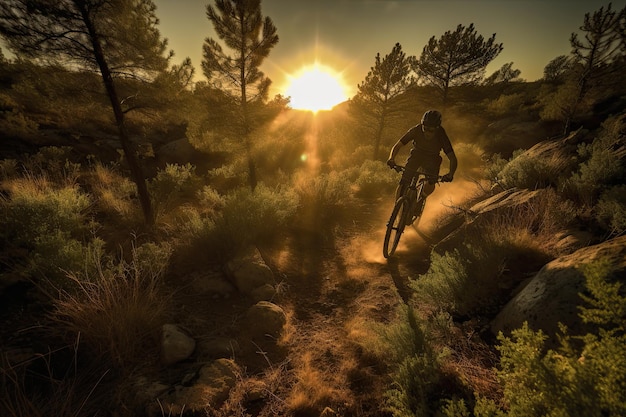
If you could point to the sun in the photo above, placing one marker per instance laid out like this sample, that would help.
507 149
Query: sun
316 88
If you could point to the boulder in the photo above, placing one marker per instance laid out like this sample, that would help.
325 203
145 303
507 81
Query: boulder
552 295
176 345
265 318
249 272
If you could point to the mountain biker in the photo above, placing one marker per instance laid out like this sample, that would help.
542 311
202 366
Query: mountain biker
428 140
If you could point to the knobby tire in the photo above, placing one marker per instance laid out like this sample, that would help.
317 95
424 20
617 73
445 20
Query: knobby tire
395 227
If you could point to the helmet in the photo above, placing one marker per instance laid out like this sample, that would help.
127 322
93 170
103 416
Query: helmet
432 118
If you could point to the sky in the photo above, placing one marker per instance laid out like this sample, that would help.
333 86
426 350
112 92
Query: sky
346 35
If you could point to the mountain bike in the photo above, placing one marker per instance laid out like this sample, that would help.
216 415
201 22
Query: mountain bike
407 209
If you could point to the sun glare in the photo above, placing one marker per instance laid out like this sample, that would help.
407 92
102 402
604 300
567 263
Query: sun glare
315 88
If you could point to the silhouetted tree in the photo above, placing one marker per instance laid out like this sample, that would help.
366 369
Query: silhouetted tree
250 37
505 74
117 38
595 56
456 58
380 96
556 69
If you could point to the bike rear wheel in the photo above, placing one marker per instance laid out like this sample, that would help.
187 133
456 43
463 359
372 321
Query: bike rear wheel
395 226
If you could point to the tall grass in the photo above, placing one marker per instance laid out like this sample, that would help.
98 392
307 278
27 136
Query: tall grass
119 309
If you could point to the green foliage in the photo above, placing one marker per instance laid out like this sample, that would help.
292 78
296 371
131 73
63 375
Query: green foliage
247 217
47 222
445 283
455 408
174 185
458 57
374 179
601 165
54 163
506 104
415 367
589 380
14 123
606 300
380 96
611 210
324 194
527 170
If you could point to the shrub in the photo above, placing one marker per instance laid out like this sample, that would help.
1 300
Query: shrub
375 179
611 210
525 170
323 197
577 379
54 163
50 224
601 165
415 370
247 217
118 310
506 104
173 186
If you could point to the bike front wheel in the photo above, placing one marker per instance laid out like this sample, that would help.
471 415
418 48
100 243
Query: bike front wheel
395 226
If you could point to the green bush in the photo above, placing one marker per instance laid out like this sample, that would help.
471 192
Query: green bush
50 224
375 179
524 170
601 165
611 210
174 185
586 376
415 370
246 218
323 198
506 104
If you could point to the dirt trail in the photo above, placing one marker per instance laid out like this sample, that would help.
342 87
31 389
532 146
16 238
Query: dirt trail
334 286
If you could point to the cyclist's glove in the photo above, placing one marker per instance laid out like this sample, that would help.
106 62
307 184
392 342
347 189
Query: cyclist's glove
447 177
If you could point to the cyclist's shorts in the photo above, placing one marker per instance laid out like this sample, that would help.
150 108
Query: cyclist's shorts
428 165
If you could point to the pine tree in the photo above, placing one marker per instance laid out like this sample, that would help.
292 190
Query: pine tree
456 58
595 57
380 95
117 38
250 37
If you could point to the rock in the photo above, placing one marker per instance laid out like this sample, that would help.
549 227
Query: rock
219 347
265 292
551 296
249 272
265 318
176 345
210 390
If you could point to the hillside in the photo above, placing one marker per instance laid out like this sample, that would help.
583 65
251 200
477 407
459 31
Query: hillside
278 301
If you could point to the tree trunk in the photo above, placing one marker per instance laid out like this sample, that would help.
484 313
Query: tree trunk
378 138
129 149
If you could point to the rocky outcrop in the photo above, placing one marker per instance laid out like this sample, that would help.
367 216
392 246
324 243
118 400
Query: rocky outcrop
552 295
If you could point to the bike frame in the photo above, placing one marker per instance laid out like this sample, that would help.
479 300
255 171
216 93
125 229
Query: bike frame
403 208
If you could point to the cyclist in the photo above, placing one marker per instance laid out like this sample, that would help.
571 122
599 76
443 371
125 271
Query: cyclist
428 140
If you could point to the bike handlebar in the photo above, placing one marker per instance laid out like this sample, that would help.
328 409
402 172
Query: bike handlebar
400 168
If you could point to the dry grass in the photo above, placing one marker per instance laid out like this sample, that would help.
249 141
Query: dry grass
112 191
116 311
313 391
